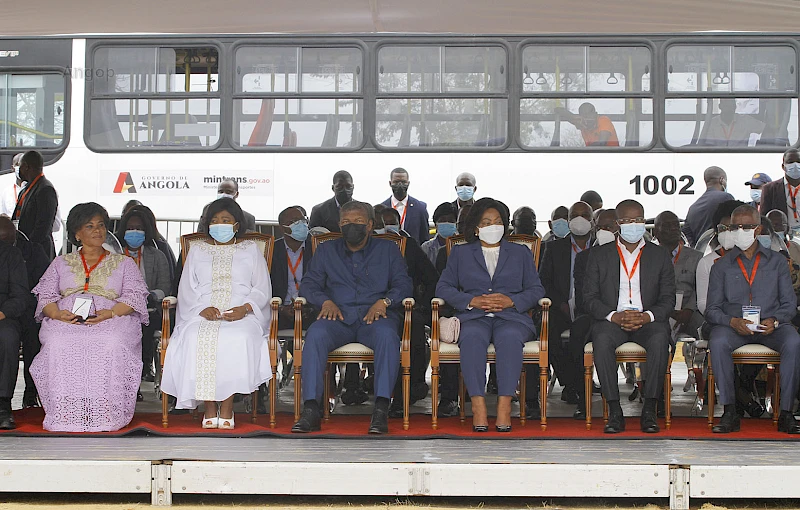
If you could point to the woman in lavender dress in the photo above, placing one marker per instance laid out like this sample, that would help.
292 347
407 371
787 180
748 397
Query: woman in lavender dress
87 373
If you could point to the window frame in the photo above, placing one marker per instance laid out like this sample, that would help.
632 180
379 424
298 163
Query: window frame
219 94
65 139
457 42
300 43
726 40
598 42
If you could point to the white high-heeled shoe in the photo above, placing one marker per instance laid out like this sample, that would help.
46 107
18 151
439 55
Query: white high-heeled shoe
211 423
227 423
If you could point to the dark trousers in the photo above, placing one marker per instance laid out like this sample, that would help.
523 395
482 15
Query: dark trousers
724 340
578 338
508 338
10 337
654 337
419 353
570 357
324 336
30 348
149 341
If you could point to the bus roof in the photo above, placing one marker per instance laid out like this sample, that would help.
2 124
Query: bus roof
51 17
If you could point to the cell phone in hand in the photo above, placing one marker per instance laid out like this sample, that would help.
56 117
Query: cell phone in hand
81 320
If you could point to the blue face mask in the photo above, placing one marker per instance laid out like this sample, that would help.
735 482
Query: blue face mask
792 170
393 228
134 238
465 193
560 228
299 230
380 231
632 232
221 233
446 229
765 241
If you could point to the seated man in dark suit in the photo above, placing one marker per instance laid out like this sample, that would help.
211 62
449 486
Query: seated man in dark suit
291 255
36 263
424 277
751 278
358 283
326 214
629 291
413 212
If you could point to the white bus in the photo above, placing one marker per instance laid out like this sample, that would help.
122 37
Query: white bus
164 119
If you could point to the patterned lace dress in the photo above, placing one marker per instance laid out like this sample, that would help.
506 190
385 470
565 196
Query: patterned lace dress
212 360
87 375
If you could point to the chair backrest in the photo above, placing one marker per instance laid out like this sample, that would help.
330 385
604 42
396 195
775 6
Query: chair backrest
265 243
398 239
532 242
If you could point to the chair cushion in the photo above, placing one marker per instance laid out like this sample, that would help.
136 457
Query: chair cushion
755 349
353 349
529 348
626 348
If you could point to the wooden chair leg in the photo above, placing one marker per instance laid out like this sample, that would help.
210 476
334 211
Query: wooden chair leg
298 391
164 410
776 399
406 396
326 404
587 388
668 397
254 413
273 400
522 396
605 411
462 397
434 397
543 373
711 391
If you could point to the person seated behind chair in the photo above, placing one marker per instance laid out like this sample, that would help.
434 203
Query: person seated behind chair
36 263
629 291
219 346
559 224
730 129
162 245
424 278
137 237
327 213
752 275
88 373
594 200
524 221
461 219
596 130
228 188
290 258
358 283
719 245
445 218
493 284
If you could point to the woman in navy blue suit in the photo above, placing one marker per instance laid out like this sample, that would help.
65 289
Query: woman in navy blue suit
492 284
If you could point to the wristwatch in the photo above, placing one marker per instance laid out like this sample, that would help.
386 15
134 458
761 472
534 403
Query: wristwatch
387 302
775 324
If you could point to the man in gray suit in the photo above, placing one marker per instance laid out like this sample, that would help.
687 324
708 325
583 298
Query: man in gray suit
629 291
751 276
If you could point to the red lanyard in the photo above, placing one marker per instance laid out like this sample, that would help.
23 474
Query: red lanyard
721 254
750 277
793 197
405 210
630 273
293 269
677 255
137 259
728 132
575 246
88 270
28 189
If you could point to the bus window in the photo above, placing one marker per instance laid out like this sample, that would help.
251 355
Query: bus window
298 97
131 107
470 103
32 110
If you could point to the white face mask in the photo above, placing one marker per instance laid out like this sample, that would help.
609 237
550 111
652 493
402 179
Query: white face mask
726 240
491 234
580 226
225 195
605 237
745 238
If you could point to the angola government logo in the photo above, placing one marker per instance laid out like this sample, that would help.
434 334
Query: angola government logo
124 183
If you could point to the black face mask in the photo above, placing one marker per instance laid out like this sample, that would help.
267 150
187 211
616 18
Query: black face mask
399 190
354 233
344 196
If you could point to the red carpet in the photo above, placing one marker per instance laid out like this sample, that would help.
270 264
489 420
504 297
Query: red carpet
29 423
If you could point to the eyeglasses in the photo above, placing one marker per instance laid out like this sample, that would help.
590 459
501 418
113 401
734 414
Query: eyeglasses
627 221
736 227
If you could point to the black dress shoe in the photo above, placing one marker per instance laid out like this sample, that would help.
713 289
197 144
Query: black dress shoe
148 376
447 409
502 428
354 397
309 422
787 423
616 424
532 410
649 423
480 428
730 422
30 399
7 421
579 414
418 392
396 409
380 421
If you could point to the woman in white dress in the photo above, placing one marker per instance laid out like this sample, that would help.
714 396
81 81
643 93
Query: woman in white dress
219 346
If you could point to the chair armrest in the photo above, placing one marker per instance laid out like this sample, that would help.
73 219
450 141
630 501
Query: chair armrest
544 332
169 302
275 302
435 304
437 301
409 301
300 300
545 302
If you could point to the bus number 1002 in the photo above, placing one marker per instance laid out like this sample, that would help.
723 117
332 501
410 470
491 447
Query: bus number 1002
668 185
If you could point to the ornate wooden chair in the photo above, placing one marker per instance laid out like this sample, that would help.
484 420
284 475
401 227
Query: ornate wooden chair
352 352
750 354
534 352
265 243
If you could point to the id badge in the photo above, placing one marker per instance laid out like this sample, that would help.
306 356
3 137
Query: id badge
82 307
752 314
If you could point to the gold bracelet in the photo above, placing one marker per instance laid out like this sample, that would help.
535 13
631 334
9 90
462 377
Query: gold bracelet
113 313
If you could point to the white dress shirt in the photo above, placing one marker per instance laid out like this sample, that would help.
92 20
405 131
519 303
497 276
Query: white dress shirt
9 199
630 293
400 207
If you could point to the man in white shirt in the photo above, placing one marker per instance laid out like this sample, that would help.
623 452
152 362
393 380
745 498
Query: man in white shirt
629 291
